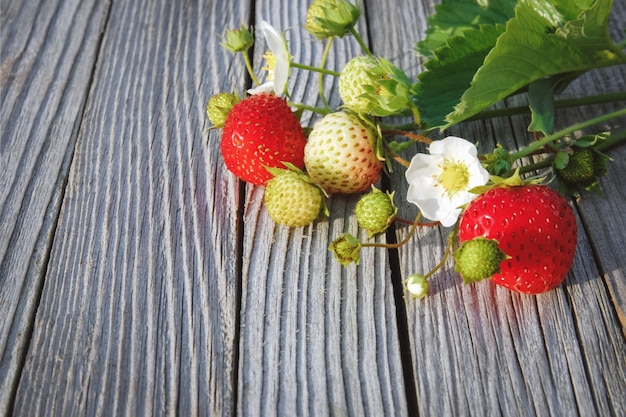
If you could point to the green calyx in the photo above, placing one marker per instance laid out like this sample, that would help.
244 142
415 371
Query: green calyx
375 211
478 259
346 249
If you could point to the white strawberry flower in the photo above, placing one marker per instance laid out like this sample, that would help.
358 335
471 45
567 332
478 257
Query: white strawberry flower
278 61
439 183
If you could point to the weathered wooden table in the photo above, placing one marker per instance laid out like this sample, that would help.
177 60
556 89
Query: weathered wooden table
138 277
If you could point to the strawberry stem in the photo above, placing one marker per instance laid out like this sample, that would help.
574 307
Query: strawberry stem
446 254
314 69
413 136
544 163
320 78
319 110
404 241
410 222
246 60
360 41
546 140
573 102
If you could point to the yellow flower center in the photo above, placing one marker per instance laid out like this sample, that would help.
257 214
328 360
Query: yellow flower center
270 61
454 177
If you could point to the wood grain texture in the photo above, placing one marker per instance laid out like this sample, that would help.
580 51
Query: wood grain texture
482 350
138 314
139 277
316 338
48 54
608 231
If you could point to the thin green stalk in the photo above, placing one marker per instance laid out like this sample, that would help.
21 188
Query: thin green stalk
320 78
544 163
360 41
246 59
613 139
444 258
319 110
621 44
404 241
564 132
573 102
314 69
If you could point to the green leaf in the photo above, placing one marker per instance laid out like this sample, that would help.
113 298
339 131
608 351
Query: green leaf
449 74
561 159
453 17
541 104
544 39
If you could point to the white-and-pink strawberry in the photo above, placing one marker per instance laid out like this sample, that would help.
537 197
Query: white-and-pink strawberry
340 154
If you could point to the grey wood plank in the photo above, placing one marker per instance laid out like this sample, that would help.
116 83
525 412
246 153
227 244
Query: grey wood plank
482 350
48 52
602 216
138 314
316 338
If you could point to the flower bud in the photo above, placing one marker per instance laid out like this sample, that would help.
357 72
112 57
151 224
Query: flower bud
417 285
238 40
327 18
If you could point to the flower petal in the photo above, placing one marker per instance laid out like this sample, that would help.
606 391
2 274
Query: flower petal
453 147
278 46
424 174
267 87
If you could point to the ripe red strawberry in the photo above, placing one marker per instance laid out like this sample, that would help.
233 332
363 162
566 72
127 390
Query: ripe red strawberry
340 154
261 131
535 227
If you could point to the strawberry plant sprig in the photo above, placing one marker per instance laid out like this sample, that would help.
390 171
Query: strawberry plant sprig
473 60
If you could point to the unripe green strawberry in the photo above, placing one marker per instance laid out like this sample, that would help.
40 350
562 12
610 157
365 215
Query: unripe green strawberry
478 259
580 169
219 106
340 154
353 82
375 211
292 199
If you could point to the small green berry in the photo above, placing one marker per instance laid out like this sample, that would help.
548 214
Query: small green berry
354 81
580 168
219 106
478 259
417 285
292 199
375 211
